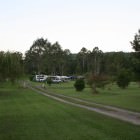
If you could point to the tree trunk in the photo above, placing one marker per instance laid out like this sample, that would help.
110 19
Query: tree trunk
94 88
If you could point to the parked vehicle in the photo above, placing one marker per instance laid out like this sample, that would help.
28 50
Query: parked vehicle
56 81
40 78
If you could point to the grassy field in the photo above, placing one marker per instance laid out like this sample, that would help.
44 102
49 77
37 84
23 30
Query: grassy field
26 115
112 95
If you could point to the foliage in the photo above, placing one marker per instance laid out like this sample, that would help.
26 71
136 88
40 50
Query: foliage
51 59
44 57
136 56
79 84
31 77
136 42
96 59
34 56
97 81
136 67
49 81
11 66
123 78
82 58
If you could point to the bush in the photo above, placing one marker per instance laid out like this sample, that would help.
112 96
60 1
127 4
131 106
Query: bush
31 77
79 84
123 79
49 81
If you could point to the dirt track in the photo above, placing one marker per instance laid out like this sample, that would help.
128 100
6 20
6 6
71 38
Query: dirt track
121 114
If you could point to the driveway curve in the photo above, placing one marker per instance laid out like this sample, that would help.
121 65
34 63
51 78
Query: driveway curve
121 114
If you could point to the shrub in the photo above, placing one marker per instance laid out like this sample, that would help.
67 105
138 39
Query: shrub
49 81
123 79
79 84
31 77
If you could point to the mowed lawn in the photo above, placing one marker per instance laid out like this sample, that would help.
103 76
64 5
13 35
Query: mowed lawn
128 98
26 115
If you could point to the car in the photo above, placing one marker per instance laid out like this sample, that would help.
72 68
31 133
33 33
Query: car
56 81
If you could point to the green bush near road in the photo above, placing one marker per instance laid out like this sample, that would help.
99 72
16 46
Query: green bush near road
79 84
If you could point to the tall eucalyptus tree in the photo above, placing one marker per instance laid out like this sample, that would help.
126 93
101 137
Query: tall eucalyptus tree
96 58
136 59
34 56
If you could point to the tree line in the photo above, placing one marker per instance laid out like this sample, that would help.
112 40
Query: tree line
47 58
11 66
43 57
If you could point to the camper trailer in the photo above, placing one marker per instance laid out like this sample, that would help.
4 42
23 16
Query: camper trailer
40 78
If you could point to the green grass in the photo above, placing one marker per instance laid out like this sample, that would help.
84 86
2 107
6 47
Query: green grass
26 115
128 98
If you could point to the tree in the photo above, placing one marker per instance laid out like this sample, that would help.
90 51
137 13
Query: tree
51 58
49 81
136 56
2 64
34 56
136 42
11 66
96 58
82 58
66 63
97 81
55 58
123 79
44 57
71 64
114 61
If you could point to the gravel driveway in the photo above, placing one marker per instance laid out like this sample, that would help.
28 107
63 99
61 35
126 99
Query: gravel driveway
121 114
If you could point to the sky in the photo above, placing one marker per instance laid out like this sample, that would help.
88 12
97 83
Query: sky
107 24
